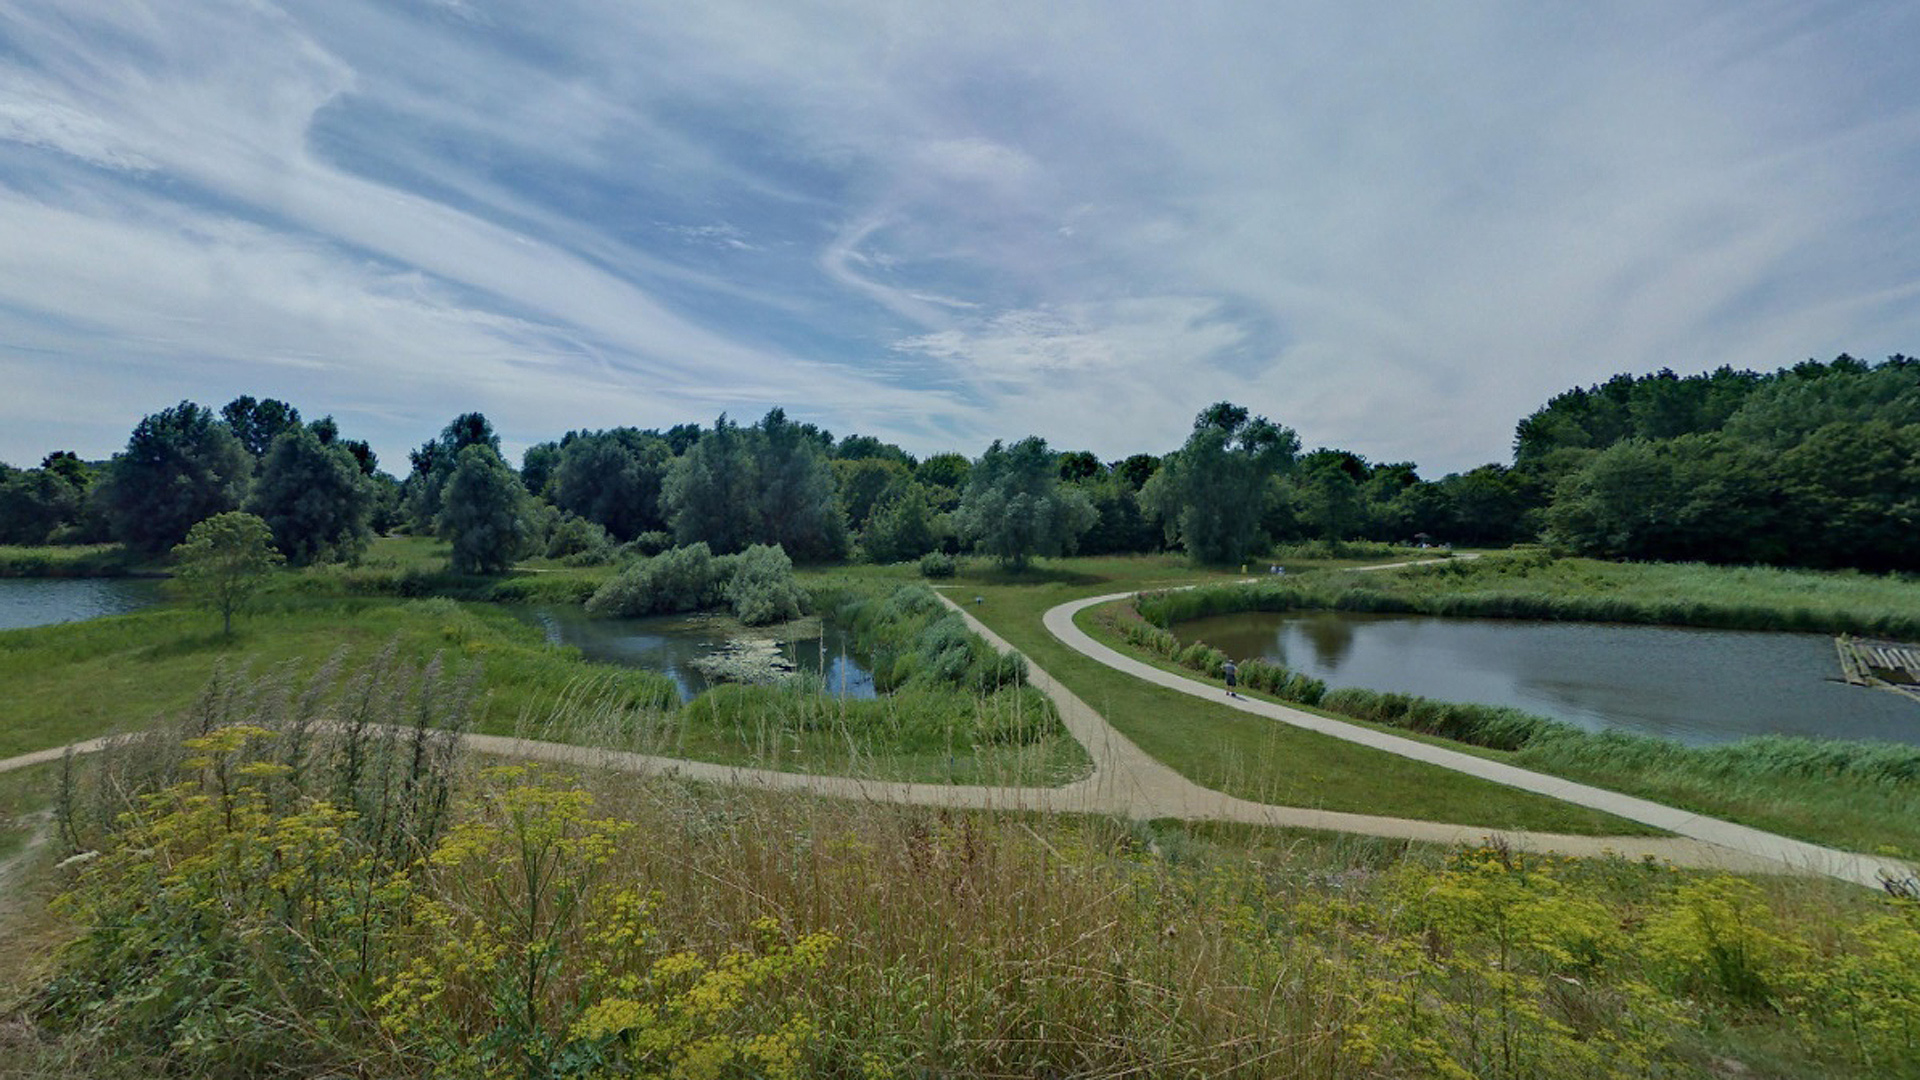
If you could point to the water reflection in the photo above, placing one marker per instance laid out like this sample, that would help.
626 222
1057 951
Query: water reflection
1696 686
669 644
1330 636
28 602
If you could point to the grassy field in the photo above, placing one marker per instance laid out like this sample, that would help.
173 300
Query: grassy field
682 930
1223 748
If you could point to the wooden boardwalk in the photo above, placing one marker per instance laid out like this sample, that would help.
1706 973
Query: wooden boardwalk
1882 665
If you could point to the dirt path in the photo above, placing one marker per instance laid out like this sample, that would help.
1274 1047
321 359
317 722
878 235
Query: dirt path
1126 782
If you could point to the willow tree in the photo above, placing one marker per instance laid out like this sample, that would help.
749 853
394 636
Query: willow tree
1210 494
1015 506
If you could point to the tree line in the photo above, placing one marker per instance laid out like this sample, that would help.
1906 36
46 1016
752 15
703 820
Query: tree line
1817 464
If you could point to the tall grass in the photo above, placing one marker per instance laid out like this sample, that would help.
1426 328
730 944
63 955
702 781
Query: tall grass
91 560
577 924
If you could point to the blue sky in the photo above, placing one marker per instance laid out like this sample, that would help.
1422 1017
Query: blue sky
1395 228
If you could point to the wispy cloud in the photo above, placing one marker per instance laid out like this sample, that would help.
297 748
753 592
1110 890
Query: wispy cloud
941 226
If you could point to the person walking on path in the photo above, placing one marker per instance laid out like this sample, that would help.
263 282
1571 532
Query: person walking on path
1232 674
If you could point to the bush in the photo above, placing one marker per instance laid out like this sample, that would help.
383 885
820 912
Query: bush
762 589
681 579
756 584
648 544
938 564
1493 726
575 537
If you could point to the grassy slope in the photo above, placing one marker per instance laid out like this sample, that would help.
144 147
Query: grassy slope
1224 748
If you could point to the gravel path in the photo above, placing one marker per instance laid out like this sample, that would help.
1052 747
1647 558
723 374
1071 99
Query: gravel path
1704 840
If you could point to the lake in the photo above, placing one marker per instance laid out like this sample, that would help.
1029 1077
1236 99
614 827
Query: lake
1693 686
669 644
28 602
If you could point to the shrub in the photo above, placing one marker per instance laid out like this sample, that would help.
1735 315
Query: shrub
576 537
938 564
648 544
762 589
681 579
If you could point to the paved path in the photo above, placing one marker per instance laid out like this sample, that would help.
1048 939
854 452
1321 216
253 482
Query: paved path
1740 845
1126 782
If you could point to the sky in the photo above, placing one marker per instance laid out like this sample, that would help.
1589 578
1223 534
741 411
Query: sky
1395 228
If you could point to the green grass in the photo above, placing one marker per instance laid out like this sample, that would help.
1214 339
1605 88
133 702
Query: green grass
1221 747
78 680
1534 585
24 795
86 560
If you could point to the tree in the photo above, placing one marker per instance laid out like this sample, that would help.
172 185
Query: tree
902 529
796 505
1210 495
313 497
257 423
944 471
867 485
435 461
708 494
484 513
223 562
1015 506
1077 465
866 447
181 466
538 463
1137 470
1121 527
34 503
612 478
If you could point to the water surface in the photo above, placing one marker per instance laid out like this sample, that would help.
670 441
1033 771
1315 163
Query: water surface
1694 686
28 602
669 644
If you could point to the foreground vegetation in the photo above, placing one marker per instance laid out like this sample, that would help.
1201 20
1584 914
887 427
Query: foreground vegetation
387 911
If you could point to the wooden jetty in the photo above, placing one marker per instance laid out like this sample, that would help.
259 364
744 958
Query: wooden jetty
1883 665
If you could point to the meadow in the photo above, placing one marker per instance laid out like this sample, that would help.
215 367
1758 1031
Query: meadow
429 915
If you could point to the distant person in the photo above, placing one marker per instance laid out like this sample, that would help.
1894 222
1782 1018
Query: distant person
1233 678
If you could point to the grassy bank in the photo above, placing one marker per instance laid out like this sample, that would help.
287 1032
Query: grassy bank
1223 748
569 921
1537 586
90 560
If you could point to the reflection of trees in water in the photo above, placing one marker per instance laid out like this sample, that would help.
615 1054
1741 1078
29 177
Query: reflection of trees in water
1331 636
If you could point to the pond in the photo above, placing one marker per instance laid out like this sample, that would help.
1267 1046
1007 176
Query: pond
1693 686
670 644
28 602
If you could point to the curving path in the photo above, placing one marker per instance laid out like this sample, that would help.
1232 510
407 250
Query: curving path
1126 782
1711 840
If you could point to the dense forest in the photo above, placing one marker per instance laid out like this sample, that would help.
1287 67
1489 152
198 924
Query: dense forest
1816 465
